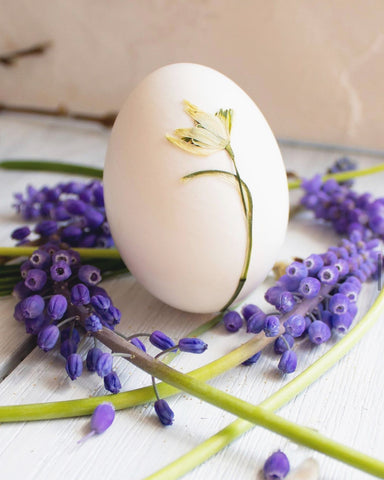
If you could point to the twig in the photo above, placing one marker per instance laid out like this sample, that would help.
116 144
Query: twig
107 119
9 59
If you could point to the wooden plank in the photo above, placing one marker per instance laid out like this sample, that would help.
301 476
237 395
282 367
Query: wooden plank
345 404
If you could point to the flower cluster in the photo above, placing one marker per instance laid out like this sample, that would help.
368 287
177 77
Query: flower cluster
59 299
315 297
72 213
347 210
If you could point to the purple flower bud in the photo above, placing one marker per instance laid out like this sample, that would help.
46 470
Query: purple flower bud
75 207
252 360
93 356
74 366
283 343
104 364
286 283
88 241
73 187
34 325
297 270
18 312
98 193
89 275
60 271
326 317
93 217
352 309
339 304
343 267
80 294
100 302
112 382
46 228
57 306
313 184
319 332
60 214
62 256
40 259
48 337
192 345
329 258
232 321
249 310
309 287
71 234
271 326
20 233
35 279
138 343
255 322
160 340
20 290
104 241
93 323
276 467
102 417
295 325
272 295
25 267
288 362
68 347
285 302
115 314
328 275
70 332
32 306
164 412
355 281
341 323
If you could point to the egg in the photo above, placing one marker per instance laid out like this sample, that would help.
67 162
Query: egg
186 239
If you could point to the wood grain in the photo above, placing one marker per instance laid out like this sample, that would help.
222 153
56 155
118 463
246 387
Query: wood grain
345 404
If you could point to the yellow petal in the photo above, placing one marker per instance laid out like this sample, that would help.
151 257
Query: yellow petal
188 146
206 120
226 118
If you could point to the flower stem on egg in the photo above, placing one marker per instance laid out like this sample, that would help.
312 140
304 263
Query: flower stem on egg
249 218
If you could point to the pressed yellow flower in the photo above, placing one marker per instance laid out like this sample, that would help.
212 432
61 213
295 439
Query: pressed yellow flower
210 133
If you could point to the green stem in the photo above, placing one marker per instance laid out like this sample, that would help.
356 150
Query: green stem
249 218
51 166
341 177
227 435
14 252
85 406
239 180
255 414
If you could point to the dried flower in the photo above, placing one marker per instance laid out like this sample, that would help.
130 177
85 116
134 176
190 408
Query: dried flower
210 134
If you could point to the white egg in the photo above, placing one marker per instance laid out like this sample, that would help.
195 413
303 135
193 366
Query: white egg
185 241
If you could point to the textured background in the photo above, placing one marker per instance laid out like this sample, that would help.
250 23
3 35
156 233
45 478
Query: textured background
315 68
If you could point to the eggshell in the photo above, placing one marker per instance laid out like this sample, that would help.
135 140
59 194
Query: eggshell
185 242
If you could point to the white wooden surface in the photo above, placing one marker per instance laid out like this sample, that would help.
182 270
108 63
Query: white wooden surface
346 404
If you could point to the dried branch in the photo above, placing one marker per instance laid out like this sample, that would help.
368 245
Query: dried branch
9 59
107 119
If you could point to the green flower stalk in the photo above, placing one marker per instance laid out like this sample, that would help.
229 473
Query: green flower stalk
211 134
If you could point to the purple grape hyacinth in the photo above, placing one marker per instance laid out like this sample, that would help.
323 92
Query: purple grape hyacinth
70 212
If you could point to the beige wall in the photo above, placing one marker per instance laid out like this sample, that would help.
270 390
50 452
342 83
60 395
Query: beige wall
315 67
